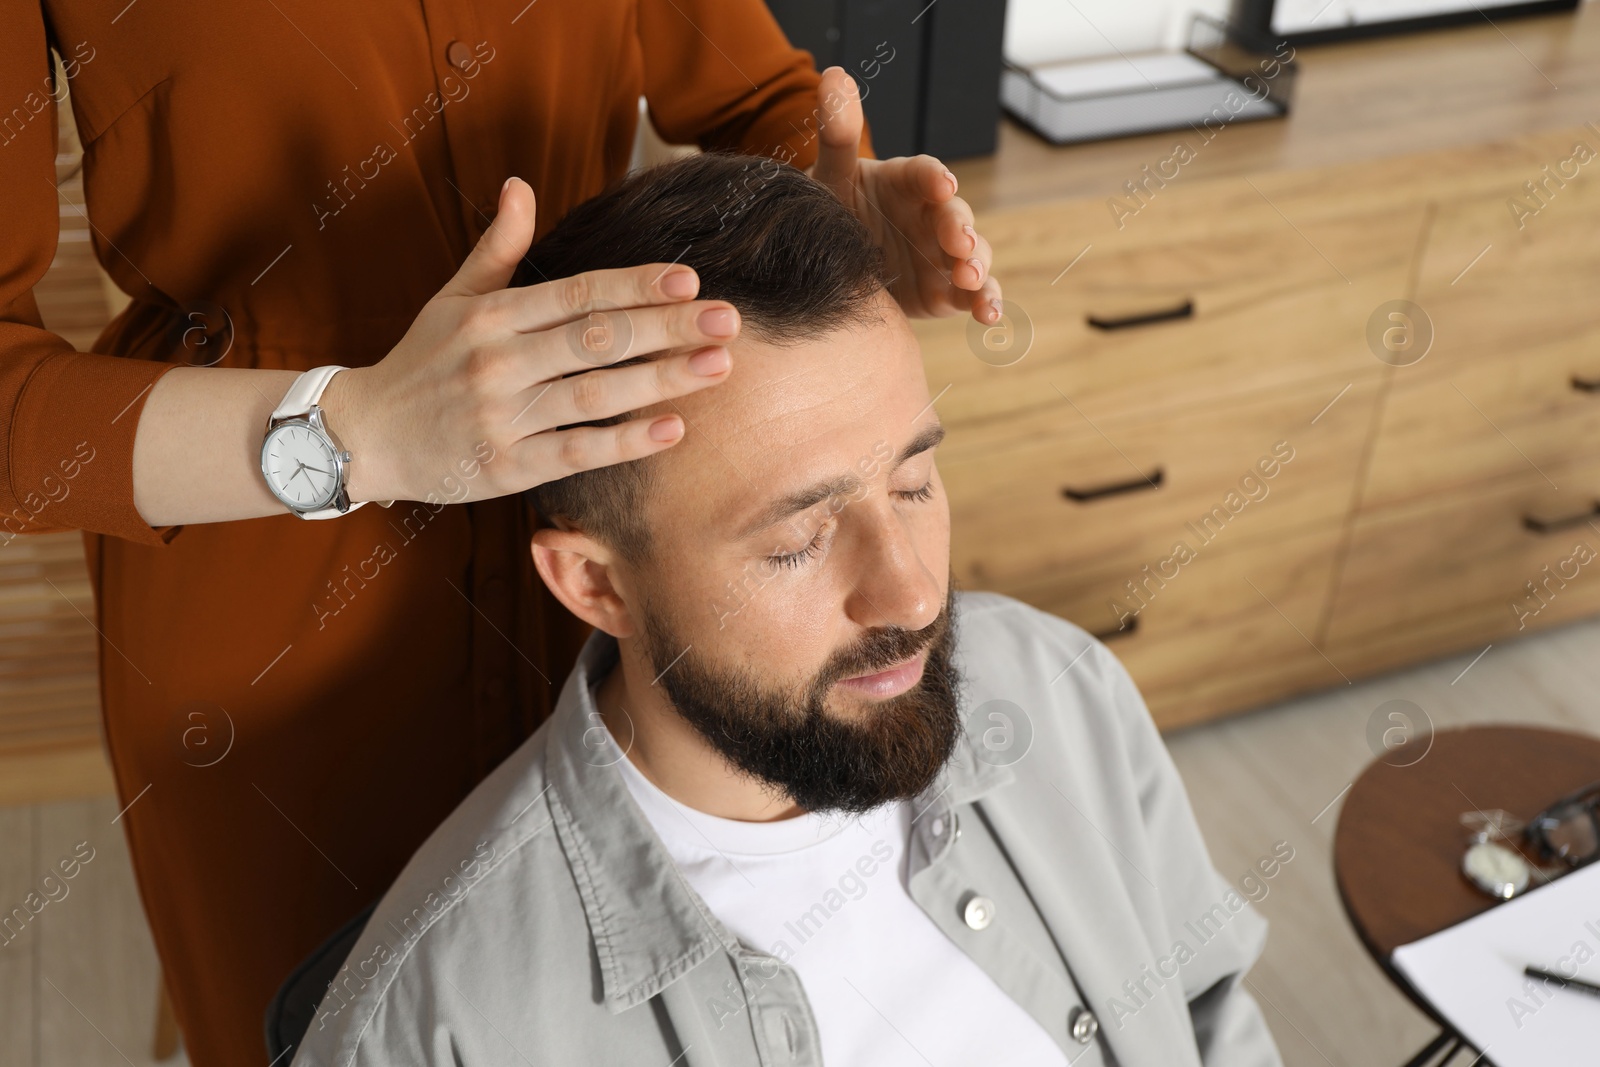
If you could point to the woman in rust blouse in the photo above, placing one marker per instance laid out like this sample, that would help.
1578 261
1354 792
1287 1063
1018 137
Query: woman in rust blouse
291 706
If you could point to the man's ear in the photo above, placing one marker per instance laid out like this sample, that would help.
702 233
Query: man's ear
579 571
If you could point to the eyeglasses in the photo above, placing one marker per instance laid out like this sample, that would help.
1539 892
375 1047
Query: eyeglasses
1569 829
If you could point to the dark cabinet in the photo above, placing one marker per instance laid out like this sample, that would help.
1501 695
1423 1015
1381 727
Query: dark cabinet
929 72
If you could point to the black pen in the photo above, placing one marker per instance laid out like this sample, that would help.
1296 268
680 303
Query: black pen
1571 983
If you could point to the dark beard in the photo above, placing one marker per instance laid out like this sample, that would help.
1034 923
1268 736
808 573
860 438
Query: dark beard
794 745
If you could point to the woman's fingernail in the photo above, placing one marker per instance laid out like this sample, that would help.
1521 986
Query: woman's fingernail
666 428
680 283
994 307
711 361
977 265
718 322
971 234
954 185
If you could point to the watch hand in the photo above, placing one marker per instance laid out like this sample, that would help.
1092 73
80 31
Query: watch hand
319 470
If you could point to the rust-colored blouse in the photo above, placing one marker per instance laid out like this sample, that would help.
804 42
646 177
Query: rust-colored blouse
292 706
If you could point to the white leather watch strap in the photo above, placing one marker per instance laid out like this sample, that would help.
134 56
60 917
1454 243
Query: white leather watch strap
306 390
297 403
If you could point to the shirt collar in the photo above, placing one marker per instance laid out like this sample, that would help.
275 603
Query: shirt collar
648 926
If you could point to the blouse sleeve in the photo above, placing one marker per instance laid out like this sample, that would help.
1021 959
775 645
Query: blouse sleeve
67 418
721 74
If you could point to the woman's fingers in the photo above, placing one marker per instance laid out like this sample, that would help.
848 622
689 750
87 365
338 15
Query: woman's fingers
840 121
986 303
490 264
954 227
604 338
555 454
972 270
479 358
970 254
527 309
608 391
927 177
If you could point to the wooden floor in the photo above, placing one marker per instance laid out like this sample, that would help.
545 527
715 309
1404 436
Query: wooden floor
77 989
78 986
1267 776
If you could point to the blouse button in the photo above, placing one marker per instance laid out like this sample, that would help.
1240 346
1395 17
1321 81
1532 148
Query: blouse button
458 55
1083 1025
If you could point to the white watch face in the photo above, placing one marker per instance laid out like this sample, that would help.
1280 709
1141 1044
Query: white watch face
1495 869
299 465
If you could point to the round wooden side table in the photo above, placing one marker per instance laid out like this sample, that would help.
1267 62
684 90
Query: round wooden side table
1398 846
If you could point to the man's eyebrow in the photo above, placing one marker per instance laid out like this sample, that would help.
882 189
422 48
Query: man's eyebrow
842 485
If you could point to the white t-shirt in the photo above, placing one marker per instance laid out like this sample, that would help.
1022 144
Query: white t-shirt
827 895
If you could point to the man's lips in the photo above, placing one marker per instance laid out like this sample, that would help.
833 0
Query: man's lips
890 681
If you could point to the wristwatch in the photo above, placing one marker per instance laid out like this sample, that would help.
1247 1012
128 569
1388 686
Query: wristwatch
303 463
1496 869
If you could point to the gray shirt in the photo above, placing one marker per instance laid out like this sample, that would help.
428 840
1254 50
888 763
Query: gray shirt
545 923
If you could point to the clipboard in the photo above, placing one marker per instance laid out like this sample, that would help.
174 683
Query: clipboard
1472 974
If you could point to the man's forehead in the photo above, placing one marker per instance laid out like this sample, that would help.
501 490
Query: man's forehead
788 416
776 391
807 400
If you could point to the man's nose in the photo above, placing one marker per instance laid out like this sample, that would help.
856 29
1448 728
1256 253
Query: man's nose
892 585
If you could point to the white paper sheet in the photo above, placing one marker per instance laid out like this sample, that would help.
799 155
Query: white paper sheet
1472 973
1117 75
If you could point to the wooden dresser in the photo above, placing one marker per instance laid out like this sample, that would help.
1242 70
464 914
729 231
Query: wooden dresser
1310 399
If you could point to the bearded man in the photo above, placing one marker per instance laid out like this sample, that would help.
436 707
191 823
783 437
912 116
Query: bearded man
802 801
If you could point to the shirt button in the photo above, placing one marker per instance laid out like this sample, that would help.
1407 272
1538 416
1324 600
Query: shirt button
977 911
458 55
938 825
1083 1025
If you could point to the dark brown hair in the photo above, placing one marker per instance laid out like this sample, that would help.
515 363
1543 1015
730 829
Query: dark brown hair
763 236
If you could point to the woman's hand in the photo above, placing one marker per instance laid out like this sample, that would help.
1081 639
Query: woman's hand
939 262
485 373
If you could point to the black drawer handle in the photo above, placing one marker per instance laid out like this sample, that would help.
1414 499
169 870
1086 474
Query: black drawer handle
1125 630
1586 385
1099 492
1549 526
1184 310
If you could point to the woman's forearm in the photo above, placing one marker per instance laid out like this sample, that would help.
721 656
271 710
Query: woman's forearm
197 453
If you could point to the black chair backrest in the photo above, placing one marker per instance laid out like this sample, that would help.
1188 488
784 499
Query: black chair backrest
291 1011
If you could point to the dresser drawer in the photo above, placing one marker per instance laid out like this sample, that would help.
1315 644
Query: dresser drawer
1210 292
1051 492
1227 631
1481 565
1515 413
1506 269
